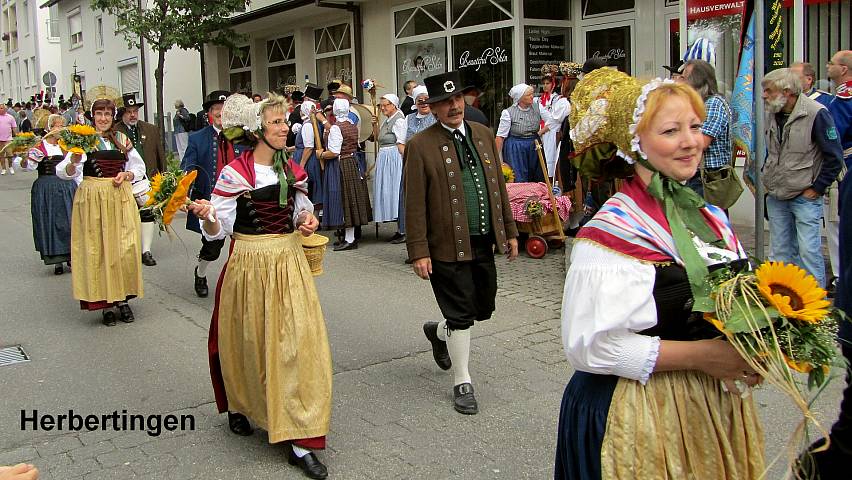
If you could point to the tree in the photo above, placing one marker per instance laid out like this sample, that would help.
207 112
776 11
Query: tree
164 24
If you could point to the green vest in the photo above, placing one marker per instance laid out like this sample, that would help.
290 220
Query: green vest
475 188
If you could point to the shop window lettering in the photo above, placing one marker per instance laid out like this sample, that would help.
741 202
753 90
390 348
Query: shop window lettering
613 54
489 56
425 63
344 74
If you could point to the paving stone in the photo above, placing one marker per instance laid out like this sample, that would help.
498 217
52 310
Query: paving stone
71 470
123 472
18 455
60 444
124 456
90 451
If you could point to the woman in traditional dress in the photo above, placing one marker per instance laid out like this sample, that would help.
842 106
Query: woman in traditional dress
51 199
269 355
656 393
305 155
105 246
416 122
519 128
554 108
349 206
386 190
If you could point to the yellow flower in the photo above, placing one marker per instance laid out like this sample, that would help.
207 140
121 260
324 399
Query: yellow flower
508 174
715 321
156 184
793 292
179 197
82 130
26 134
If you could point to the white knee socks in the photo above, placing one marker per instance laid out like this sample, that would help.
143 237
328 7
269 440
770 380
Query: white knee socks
299 451
349 236
458 344
147 235
201 269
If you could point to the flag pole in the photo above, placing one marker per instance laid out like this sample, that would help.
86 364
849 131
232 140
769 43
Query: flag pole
759 120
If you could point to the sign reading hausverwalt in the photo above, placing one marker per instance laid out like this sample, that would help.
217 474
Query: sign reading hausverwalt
153 425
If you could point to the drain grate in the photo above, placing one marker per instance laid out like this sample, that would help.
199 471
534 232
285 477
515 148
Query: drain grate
13 355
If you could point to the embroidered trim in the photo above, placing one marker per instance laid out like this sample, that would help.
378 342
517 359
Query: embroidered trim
622 254
640 110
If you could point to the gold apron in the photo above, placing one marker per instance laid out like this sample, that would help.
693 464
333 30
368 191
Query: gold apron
276 361
681 425
105 250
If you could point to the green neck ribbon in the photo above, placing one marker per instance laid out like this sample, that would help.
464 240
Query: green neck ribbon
682 209
280 165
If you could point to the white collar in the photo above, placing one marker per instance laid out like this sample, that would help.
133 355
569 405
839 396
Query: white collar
451 129
217 130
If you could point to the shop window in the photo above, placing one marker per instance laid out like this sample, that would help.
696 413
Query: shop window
281 75
467 13
613 44
485 59
418 60
280 49
547 9
544 45
720 36
240 82
240 58
598 7
239 76
827 30
332 39
420 20
338 67
281 61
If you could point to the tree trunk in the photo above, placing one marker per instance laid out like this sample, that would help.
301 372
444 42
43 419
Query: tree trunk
161 113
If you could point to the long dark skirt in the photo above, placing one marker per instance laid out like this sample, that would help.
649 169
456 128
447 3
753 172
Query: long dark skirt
332 196
521 155
356 199
582 425
51 202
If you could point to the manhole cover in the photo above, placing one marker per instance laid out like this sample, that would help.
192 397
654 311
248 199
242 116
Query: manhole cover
13 355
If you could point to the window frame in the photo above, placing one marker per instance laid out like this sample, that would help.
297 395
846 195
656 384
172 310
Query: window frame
71 35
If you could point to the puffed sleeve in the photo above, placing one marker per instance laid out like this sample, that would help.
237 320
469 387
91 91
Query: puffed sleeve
553 117
607 299
504 125
335 140
78 173
399 128
135 164
307 133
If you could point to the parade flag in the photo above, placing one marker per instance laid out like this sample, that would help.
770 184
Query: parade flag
742 109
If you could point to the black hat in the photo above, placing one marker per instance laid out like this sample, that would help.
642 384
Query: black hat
333 86
17 104
32 99
218 96
443 86
129 100
297 96
9 102
593 64
61 97
675 67
313 92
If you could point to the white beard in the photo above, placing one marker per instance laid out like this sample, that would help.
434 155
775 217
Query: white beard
775 105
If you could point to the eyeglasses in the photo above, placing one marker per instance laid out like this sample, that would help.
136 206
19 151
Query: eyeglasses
277 122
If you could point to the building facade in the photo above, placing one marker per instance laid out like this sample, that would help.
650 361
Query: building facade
90 48
30 51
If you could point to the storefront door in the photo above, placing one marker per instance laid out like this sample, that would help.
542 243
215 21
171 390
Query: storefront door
612 41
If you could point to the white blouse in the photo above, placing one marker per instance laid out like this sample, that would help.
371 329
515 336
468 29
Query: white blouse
608 298
33 160
307 133
134 165
226 207
556 112
335 139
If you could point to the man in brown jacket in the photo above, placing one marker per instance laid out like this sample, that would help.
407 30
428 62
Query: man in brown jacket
457 210
146 140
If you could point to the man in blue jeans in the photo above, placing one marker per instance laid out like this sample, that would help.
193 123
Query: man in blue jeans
804 159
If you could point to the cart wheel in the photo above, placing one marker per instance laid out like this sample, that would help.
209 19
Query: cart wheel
536 246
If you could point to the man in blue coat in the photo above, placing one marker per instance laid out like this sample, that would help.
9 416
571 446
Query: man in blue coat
207 152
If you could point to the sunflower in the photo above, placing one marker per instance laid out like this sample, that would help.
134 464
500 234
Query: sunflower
179 197
792 291
508 174
84 130
156 184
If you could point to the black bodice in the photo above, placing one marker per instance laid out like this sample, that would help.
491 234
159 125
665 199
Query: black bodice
673 297
104 163
47 165
258 212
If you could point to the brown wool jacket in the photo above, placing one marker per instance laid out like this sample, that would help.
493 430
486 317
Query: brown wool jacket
435 214
151 149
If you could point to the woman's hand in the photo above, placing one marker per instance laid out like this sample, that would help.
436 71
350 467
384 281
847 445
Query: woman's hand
307 224
76 158
720 360
122 177
202 209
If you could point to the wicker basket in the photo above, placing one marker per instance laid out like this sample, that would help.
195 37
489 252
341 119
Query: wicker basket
314 247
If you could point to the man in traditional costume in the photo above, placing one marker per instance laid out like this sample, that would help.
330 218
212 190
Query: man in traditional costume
146 141
457 210
105 247
269 355
207 151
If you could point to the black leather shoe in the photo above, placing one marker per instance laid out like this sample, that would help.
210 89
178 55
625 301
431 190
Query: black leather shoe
309 464
396 236
408 261
108 318
148 259
58 269
200 285
125 313
398 240
439 347
346 246
239 424
463 400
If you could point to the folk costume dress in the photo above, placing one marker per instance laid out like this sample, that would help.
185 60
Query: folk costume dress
520 126
415 123
626 290
305 139
105 241
554 109
347 201
386 187
269 353
51 199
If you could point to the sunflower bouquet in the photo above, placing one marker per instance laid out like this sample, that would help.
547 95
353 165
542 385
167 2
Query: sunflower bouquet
508 173
781 322
78 139
22 143
169 192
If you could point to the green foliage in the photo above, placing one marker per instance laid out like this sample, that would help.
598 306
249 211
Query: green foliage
186 24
